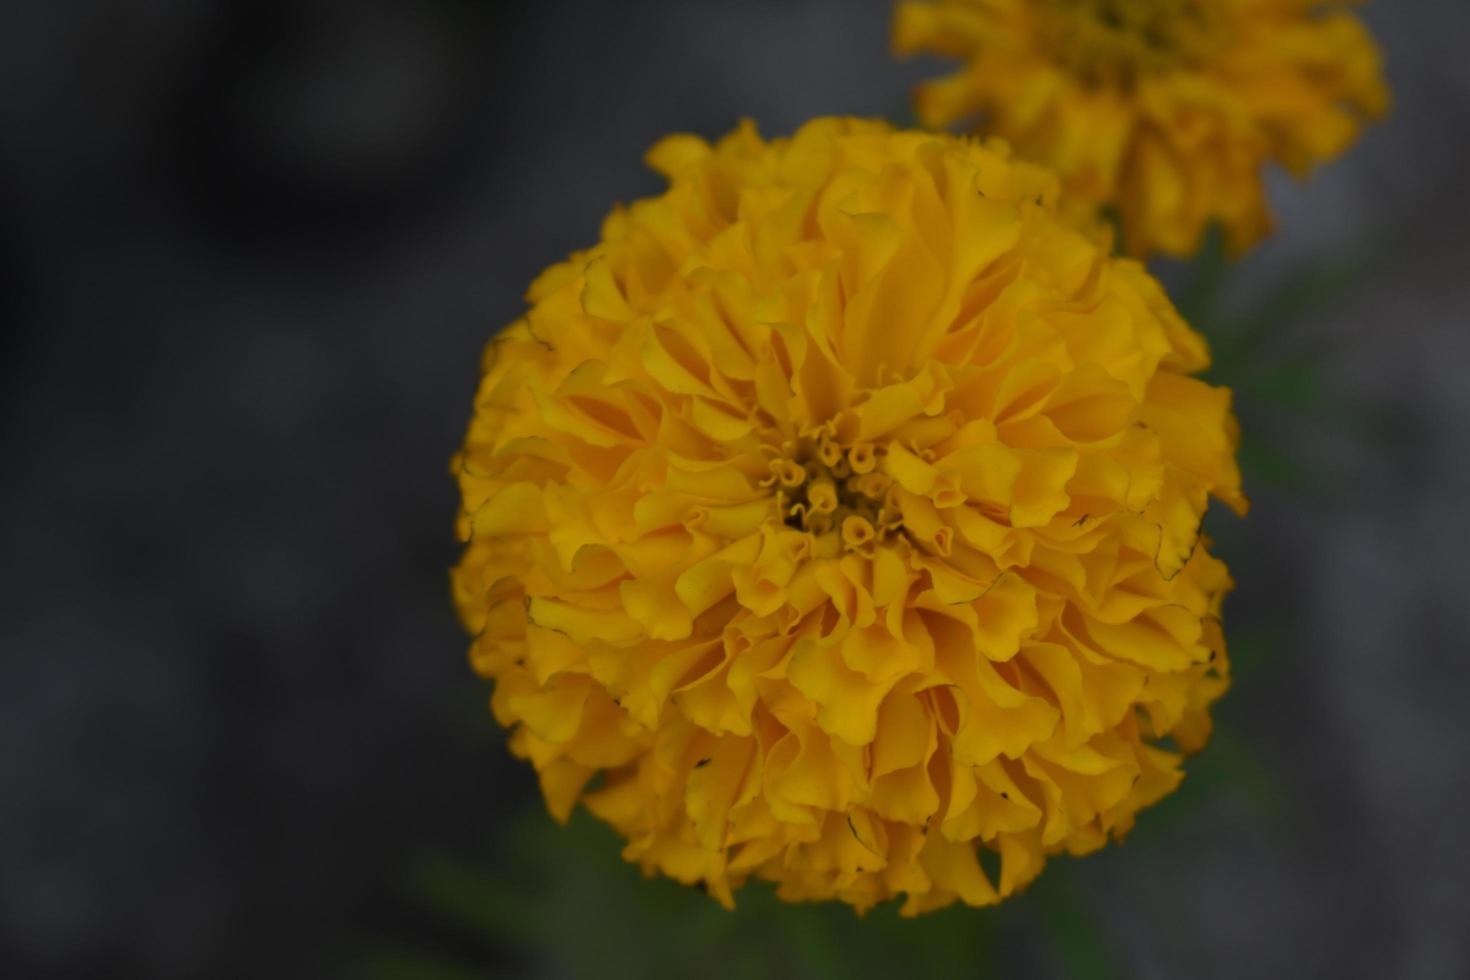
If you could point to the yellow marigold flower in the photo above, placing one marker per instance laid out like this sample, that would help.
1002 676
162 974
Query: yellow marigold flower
835 521
1164 109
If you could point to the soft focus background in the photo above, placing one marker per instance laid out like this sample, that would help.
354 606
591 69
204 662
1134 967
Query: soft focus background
251 251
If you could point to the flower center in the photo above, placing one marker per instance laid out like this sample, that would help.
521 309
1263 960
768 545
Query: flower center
1116 41
825 488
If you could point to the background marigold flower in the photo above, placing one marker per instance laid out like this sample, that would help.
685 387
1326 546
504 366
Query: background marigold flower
835 521
1165 110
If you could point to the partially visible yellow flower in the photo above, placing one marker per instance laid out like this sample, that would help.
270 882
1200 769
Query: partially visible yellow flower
835 521
1165 110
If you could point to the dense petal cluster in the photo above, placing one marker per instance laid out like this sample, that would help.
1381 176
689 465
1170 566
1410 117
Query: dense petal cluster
835 521
1164 110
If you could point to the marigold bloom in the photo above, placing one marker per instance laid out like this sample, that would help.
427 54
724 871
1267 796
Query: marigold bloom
1165 110
835 521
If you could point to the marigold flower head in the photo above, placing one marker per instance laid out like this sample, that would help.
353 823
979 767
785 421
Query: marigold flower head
835 521
1165 110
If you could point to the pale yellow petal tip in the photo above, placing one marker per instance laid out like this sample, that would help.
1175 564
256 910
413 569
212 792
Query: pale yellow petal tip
834 522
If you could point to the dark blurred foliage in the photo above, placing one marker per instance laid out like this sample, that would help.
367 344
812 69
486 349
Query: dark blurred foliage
251 251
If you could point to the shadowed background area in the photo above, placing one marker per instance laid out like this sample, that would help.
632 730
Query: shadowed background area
251 253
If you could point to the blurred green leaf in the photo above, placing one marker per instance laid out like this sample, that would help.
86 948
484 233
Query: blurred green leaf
1306 289
389 963
1294 384
1263 463
1251 652
564 899
1069 923
477 902
1199 299
1230 768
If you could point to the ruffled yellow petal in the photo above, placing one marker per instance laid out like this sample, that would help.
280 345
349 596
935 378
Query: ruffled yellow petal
1163 110
836 519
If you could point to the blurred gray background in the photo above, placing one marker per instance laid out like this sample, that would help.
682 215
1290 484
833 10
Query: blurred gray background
251 251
